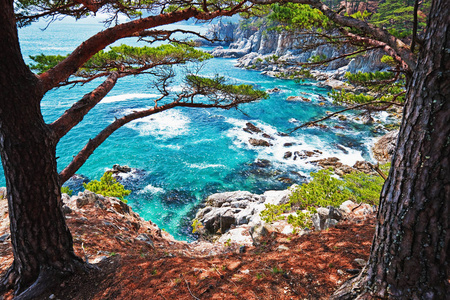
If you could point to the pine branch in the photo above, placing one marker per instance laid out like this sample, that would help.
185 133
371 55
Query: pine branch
76 113
91 46
165 35
343 110
228 96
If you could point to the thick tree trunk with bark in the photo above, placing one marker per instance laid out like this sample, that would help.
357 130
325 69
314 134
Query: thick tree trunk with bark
409 256
42 243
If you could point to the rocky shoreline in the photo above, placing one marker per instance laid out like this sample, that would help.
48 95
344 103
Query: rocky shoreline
229 218
234 217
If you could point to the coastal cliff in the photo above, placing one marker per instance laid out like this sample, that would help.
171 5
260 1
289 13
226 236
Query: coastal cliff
278 54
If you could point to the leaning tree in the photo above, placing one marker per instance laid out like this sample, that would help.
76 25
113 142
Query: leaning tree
410 252
42 244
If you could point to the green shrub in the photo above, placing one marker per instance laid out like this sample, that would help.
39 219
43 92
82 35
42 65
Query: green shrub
108 187
365 188
323 190
317 58
303 218
66 190
196 225
273 212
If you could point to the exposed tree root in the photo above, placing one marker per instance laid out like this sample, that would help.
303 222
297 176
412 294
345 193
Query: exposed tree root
48 277
7 282
354 288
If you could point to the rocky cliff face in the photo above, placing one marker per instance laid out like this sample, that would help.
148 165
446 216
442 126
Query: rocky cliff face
281 52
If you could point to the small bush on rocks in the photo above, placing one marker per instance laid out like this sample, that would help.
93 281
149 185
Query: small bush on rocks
66 190
108 187
325 190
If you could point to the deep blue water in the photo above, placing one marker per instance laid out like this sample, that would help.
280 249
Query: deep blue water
187 154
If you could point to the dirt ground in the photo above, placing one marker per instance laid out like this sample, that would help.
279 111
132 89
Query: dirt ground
311 266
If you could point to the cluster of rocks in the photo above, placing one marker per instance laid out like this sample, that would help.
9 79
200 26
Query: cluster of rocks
298 98
235 216
86 198
117 169
258 142
223 210
330 162
126 175
302 154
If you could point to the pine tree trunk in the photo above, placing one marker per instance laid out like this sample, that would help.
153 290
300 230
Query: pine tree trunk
409 256
41 241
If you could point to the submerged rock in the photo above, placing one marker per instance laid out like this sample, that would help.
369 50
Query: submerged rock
274 90
75 183
262 163
258 142
251 128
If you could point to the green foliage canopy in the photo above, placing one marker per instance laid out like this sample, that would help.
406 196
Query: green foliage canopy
292 16
126 58
397 16
217 89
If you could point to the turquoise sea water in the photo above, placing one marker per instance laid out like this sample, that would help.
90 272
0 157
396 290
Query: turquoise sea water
187 154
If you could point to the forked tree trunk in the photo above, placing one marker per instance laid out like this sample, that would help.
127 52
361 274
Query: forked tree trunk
41 241
410 253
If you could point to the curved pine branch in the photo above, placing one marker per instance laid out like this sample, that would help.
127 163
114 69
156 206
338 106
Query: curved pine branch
94 143
218 95
76 113
99 41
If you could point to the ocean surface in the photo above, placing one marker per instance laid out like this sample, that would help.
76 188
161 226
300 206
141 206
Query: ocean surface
183 155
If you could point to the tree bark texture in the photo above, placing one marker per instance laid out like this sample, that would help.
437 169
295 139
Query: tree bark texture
409 256
40 238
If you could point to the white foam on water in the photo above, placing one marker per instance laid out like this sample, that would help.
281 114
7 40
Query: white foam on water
170 146
240 80
176 89
201 141
164 125
206 166
150 189
126 97
276 152
382 116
